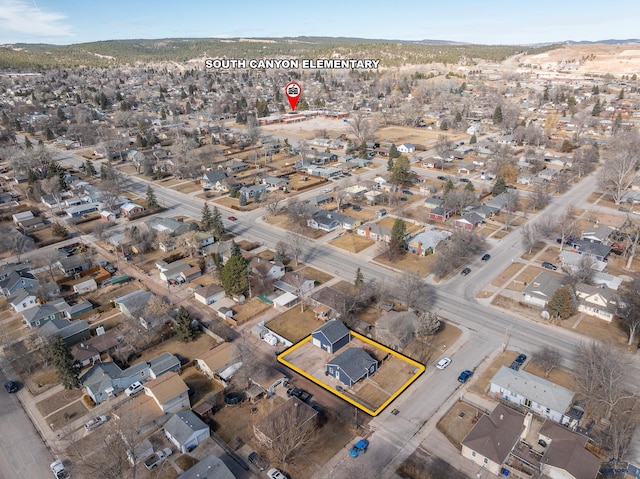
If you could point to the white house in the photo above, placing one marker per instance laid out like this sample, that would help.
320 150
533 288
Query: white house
539 395
406 148
598 301
209 294
22 299
185 430
169 391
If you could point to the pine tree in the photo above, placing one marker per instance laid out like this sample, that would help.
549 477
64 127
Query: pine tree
27 142
597 108
359 281
390 164
89 169
500 187
561 304
393 151
242 200
63 361
473 140
184 331
469 187
448 187
207 218
398 233
362 151
234 277
497 115
152 201
217 226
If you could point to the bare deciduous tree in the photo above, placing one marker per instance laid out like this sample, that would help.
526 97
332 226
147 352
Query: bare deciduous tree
620 168
362 127
629 308
428 324
548 358
414 292
530 236
295 246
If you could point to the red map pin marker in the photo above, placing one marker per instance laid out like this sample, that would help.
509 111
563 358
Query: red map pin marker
293 91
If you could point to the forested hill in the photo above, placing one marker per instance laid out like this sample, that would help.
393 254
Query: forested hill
117 52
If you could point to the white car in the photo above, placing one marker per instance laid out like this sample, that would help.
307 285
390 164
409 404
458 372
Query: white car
133 389
276 474
443 363
95 422
58 470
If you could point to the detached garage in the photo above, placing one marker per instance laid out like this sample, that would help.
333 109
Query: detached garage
285 300
185 430
331 336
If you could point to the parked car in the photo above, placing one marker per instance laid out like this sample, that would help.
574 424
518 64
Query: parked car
465 271
11 386
465 375
464 180
407 192
403 198
95 422
550 266
59 472
109 268
443 363
276 474
232 218
486 257
521 358
258 461
301 394
358 448
442 178
515 365
356 207
135 388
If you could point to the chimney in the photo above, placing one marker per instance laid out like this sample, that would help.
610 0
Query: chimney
419 249
501 417
367 231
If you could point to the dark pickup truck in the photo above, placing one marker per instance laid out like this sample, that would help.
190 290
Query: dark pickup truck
301 394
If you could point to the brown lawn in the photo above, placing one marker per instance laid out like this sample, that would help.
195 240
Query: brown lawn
393 374
233 204
250 309
318 276
187 187
200 384
234 424
523 279
482 382
458 421
506 274
483 294
500 234
428 352
551 254
294 324
534 251
388 222
371 395
58 401
247 245
408 262
598 329
352 242
63 417
518 307
190 350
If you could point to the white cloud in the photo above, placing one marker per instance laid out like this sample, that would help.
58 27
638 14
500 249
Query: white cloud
26 18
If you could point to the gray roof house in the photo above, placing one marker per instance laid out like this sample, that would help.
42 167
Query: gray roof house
331 336
186 430
74 264
22 299
106 379
351 365
212 178
595 250
598 301
16 280
251 191
132 304
160 224
597 234
295 283
211 467
323 220
71 332
539 395
541 289
40 314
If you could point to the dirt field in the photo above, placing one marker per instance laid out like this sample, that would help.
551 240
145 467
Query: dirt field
602 58
458 421
388 223
58 400
249 310
293 324
352 242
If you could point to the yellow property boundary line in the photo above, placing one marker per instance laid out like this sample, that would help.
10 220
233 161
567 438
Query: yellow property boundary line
420 369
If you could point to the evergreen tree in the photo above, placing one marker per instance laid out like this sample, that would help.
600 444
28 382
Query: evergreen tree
235 249
359 281
500 187
597 108
401 174
362 151
184 331
393 151
444 125
89 169
257 197
234 277
497 115
469 187
473 140
390 164
561 304
621 95
398 233
242 200
207 218
217 226
152 201
27 142
49 134
64 363
448 187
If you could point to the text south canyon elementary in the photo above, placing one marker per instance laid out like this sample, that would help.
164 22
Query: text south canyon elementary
305 64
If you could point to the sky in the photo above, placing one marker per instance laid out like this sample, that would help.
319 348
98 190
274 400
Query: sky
487 22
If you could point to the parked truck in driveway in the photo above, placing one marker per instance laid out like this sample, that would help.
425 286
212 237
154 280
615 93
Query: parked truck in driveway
158 458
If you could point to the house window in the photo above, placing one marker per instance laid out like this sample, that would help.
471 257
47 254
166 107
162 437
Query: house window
486 460
473 453
548 410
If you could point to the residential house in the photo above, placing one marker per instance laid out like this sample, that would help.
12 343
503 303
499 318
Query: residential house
40 314
295 283
548 174
598 301
333 299
356 191
209 294
351 365
186 430
190 274
572 261
209 467
131 305
597 251
493 437
8 268
90 351
169 391
71 332
598 233
233 166
530 179
468 221
440 214
406 148
83 209
566 455
250 192
213 179
173 270
323 220
104 380
22 299
425 243
85 286
609 280
294 413
78 309
542 397
433 202
266 269
331 336
276 183
466 168
500 202
19 279
220 363
74 264
161 224
540 291
31 224
320 200
482 211
22 216
130 209
374 231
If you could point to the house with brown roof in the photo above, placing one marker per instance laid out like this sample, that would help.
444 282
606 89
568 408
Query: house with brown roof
209 294
90 351
220 363
169 391
294 414
493 438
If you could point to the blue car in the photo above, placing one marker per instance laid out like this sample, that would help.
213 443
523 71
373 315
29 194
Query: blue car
465 375
359 447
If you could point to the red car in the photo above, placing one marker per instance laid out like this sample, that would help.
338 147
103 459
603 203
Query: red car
232 218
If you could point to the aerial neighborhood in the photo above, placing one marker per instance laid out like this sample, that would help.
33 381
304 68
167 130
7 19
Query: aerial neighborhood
429 270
